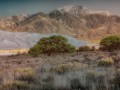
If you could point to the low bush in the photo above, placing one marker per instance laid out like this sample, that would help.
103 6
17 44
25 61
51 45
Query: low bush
84 48
62 68
90 79
23 70
25 74
93 49
35 51
106 62
15 85
76 84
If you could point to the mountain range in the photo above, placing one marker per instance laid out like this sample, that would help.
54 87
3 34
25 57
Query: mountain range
76 21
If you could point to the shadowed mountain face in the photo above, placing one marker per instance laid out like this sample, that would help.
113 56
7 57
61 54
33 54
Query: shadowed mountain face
41 23
87 24
76 21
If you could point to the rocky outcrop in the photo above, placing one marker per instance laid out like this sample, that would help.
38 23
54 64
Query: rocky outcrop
41 23
11 22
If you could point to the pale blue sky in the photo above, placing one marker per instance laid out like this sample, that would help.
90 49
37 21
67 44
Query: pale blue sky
15 7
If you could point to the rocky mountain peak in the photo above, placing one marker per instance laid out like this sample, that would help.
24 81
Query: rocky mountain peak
107 13
9 22
76 21
80 10
75 10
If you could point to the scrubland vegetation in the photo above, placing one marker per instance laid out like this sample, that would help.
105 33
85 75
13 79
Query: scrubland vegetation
57 68
110 43
52 44
79 70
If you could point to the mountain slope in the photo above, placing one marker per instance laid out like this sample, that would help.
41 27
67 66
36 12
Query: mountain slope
88 24
76 21
42 24
10 22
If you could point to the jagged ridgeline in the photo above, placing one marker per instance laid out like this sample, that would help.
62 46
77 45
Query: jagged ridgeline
76 21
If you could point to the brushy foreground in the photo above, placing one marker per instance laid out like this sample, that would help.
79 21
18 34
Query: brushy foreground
92 70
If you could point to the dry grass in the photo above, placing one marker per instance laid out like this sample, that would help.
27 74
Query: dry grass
106 62
15 85
60 72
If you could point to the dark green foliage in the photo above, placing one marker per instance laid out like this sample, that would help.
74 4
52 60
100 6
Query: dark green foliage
26 77
52 44
106 62
93 49
35 51
84 48
110 43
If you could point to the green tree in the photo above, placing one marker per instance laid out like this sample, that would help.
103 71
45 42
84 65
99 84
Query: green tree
84 48
35 51
110 43
52 44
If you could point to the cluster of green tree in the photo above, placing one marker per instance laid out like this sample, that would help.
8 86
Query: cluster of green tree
52 44
59 44
110 43
86 48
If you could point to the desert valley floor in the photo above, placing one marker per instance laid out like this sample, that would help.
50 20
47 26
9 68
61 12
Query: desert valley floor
76 66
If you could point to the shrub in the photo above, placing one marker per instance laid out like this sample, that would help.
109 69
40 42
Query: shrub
25 74
106 62
35 51
76 84
116 80
62 68
84 48
110 43
101 82
15 85
116 60
90 79
68 48
93 48
52 44
26 77
23 70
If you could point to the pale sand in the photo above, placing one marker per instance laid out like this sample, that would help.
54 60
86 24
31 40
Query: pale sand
13 52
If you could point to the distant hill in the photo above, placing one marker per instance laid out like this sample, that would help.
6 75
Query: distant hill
76 21
41 23
7 23
24 40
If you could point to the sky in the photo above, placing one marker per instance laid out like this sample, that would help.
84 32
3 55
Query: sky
17 7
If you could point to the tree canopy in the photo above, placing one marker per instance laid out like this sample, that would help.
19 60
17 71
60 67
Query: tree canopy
110 43
52 44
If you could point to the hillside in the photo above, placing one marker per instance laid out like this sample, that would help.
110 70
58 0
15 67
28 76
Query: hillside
8 23
86 23
24 40
41 23
76 21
